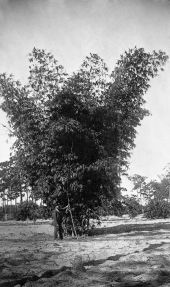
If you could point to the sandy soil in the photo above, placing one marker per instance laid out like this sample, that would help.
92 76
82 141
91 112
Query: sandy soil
136 253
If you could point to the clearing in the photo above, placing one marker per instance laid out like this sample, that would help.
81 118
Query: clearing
124 252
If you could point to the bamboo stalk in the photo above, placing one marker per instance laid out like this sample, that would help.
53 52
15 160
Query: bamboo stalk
71 215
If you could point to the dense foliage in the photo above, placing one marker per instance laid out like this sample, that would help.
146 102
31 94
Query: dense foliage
74 134
155 194
157 208
30 210
27 210
112 207
132 207
152 189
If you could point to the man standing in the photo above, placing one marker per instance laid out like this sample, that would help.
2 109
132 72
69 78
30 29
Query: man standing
58 219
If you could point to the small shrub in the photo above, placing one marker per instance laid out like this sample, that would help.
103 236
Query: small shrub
132 206
27 210
157 208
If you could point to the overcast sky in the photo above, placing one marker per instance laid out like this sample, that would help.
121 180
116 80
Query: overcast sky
71 29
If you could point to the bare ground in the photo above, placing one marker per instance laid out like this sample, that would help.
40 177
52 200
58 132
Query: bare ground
129 253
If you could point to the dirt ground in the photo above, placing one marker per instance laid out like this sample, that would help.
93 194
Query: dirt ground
124 252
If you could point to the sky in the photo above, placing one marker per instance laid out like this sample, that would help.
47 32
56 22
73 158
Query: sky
71 29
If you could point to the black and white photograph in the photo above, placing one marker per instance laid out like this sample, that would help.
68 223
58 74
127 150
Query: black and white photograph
84 143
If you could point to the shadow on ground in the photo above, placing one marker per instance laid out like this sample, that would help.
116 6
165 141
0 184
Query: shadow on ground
123 228
70 277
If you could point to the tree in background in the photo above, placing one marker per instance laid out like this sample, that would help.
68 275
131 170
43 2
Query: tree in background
162 187
75 133
155 193
152 189
11 184
4 184
142 187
